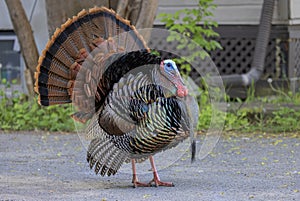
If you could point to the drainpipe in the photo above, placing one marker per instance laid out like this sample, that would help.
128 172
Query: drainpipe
260 51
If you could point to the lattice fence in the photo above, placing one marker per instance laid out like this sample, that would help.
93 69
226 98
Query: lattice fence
236 56
296 57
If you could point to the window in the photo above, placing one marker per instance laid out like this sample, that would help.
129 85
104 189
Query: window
10 59
11 62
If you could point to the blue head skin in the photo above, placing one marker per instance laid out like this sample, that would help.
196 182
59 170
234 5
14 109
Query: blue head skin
173 79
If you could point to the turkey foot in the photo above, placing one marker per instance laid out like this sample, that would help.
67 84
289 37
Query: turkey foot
136 182
156 179
157 182
154 182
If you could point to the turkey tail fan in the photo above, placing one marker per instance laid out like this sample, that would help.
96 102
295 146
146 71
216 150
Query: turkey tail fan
84 43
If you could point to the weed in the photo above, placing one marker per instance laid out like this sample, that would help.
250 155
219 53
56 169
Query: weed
21 113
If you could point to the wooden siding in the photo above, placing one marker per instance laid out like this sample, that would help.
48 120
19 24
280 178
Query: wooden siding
5 23
238 12
295 11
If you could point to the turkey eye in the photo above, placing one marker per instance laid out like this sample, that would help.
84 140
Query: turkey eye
168 64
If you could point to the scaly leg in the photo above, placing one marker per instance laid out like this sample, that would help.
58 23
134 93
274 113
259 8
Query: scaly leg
156 179
135 180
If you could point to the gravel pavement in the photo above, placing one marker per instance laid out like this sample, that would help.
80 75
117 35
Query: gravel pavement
43 166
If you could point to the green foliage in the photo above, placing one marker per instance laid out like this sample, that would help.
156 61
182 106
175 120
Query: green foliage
205 111
253 119
20 113
285 119
195 24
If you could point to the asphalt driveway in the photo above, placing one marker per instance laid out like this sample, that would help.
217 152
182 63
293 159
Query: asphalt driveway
43 166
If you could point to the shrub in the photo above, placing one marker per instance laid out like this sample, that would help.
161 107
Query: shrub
21 113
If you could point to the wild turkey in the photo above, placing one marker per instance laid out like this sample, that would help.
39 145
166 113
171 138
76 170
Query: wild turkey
135 103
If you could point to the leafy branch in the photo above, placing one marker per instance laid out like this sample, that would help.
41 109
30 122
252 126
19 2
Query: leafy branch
195 25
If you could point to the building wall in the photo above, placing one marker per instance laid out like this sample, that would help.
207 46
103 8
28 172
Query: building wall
38 21
228 12
236 13
239 12
14 69
295 11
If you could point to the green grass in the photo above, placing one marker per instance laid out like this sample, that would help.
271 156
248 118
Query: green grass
21 113
254 116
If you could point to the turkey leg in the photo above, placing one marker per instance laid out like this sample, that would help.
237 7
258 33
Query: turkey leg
135 180
156 179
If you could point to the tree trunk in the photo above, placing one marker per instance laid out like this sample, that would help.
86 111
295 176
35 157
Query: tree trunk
140 13
25 36
59 11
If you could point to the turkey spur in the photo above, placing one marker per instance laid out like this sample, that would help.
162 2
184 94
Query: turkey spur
134 103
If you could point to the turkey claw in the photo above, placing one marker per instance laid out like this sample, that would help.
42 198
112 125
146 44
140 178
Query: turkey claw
140 184
157 183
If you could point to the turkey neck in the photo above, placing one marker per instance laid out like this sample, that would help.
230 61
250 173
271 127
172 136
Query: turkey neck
168 88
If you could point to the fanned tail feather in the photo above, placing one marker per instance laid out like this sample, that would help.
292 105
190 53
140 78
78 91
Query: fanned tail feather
71 67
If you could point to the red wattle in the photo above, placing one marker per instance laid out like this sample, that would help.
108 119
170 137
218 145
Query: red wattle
182 91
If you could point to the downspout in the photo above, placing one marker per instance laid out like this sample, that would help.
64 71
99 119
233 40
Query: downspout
260 51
